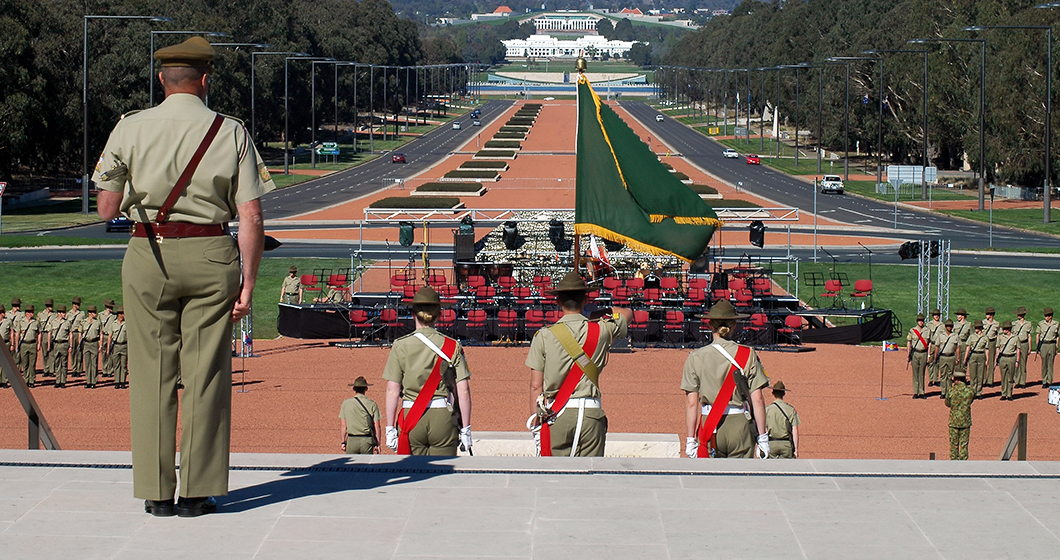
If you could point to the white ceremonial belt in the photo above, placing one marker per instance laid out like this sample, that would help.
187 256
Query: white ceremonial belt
728 410
436 402
583 403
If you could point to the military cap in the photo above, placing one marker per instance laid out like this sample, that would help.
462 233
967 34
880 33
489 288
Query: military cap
948 323
978 324
76 299
120 309
961 311
360 383
293 269
1047 311
722 310
1021 311
91 308
108 303
426 296
15 301
919 316
49 302
61 308
1006 325
778 387
30 309
936 311
571 282
957 373
2 308
196 52
989 311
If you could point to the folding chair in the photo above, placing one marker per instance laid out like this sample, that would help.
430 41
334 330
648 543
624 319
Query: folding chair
362 325
639 325
652 297
535 319
506 283
436 280
476 319
834 289
310 283
553 316
486 295
524 295
611 282
674 327
542 283
621 296
448 293
700 283
791 328
668 285
446 321
635 285
758 331
696 297
508 324
390 323
863 289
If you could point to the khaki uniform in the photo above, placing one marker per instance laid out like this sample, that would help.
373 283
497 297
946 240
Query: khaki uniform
28 342
334 295
948 346
704 373
16 320
106 319
920 354
1007 350
964 330
1047 335
119 351
548 356
5 339
976 358
289 292
992 328
960 402
76 317
60 351
932 329
781 417
45 319
178 294
1021 329
410 364
90 333
361 415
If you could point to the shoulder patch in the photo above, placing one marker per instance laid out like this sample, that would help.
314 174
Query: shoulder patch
263 172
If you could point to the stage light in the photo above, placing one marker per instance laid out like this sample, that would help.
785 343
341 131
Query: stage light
909 250
510 235
406 234
757 233
556 235
467 225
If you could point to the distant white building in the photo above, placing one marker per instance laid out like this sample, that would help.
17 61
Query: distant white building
576 23
549 46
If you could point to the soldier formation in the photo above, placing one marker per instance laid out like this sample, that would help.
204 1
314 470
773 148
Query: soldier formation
70 342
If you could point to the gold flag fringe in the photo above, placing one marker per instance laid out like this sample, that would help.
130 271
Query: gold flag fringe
688 220
642 247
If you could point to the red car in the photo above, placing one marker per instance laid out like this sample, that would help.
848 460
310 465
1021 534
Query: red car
752 159
398 158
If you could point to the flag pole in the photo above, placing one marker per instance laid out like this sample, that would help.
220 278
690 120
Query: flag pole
581 66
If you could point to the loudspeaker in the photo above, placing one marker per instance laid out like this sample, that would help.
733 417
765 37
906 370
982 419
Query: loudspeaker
510 235
757 233
463 245
406 234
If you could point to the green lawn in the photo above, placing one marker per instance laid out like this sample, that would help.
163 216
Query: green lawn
95 281
30 240
60 214
1028 218
868 189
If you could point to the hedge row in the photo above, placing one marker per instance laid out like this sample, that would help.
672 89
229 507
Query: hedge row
514 121
704 189
502 144
510 136
495 154
424 203
484 165
518 129
680 176
469 174
450 187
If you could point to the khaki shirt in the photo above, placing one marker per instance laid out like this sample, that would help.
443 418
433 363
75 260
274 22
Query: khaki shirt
106 317
61 332
977 342
410 363
992 328
119 334
1007 344
932 329
5 329
45 319
91 329
291 285
75 318
1022 330
964 330
55 322
949 343
1047 330
156 145
913 339
548 356
357 422
28 330
706 370
776 423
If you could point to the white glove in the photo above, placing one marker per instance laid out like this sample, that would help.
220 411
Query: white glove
465 438
691 447
392 437
762 450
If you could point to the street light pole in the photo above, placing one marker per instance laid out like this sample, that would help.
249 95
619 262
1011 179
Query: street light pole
253 116
924 163
846 119
286 111
879 121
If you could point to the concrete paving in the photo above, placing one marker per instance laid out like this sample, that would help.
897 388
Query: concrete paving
79 504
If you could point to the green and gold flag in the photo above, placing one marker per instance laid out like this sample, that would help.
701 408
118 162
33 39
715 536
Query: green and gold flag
625 194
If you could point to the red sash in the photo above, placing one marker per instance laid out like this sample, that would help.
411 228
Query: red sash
921 339
410 417
569 383
721 402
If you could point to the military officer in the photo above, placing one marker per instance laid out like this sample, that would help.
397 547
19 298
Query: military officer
1022 330
45 320
16 315
182 279
963 328
106 317
946 355
427 379
934 329
975 358
28 345
723 385
5 339
567 415
75 317
60 344
117 342
959 400
291 290
334 295
1007 358
916 343
360 421
1046 344
90 332
782 423
991 328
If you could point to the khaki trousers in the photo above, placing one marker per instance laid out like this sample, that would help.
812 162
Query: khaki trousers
1021 368
59 351
90 360
991 363
434 434
1048 356
119 361
919 363
946 365
359 445
76 365
178 298
977 372
735 437
593 437
780 449
28 358
1008 375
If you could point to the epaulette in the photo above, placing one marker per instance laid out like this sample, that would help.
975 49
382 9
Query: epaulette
130 113
241 123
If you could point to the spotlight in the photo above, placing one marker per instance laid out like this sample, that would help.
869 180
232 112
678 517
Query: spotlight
510 235
556 235
406 234
757 233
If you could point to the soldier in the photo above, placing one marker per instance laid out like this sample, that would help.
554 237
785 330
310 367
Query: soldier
117 343
1046 344
782 423
360 421
75 317
565 361
60 345
5 339
90 333
723 385
959 400
28 341
427 378
975 358
933 328
45 320
106 318
1021 329
1007 352
946 355
16 315
184 279
334 295
963 328
291 290
917 345
991 328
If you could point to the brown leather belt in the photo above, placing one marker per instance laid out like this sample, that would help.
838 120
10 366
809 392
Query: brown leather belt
171 230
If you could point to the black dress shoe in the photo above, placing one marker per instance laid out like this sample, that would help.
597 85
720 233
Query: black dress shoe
160 508
194 507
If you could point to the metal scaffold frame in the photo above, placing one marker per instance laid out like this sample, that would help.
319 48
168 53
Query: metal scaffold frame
923 278
941 251
942 292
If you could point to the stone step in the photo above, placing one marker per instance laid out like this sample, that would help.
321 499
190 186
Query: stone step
521 444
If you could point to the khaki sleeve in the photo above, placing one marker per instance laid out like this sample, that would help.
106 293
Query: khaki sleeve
460 365
375 412
111 171
689 379
535 358
618 325
392 370
254 179
756 374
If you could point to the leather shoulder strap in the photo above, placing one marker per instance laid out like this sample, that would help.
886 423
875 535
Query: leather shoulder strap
576 352
185 177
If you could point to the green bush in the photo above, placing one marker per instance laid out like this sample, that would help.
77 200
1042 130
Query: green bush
517 129
501 154
416 202
519 122
484 165
450 187
510 135
667 166
502 144
680 176
704 189
469 174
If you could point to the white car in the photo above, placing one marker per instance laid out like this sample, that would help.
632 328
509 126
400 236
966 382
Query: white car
832 184
456 125
731 153
658 118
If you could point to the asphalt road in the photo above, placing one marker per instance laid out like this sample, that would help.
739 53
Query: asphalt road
791 192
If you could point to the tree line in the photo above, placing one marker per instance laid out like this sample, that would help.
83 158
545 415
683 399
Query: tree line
768 34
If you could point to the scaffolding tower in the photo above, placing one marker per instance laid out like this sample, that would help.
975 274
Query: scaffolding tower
923 278
940 252
942 291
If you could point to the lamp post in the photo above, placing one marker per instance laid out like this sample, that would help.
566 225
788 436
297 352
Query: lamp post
796 67
151 72
924 136
982 103
820 107
846 119
85 177
1046 195
286 112
313 104
253 116
879 121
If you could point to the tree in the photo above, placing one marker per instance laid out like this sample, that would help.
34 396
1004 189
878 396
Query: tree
605 27
640 54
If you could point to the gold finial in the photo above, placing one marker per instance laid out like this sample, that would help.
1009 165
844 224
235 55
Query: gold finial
581 66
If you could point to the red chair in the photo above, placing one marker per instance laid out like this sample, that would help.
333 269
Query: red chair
542 283
508 324
639 325
535 319
834 289
668 285
398 281
744 299
448 293
361 324
762 286
476 319
737 284
719 294
389 323
310 283
523 295
635 285
593 295
446 321
700 283
863 289
759 325
611 282
621 296
553 316
674 327
436 280
407 293
506 283
652 296
486 295
792 326
475 282
696 297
